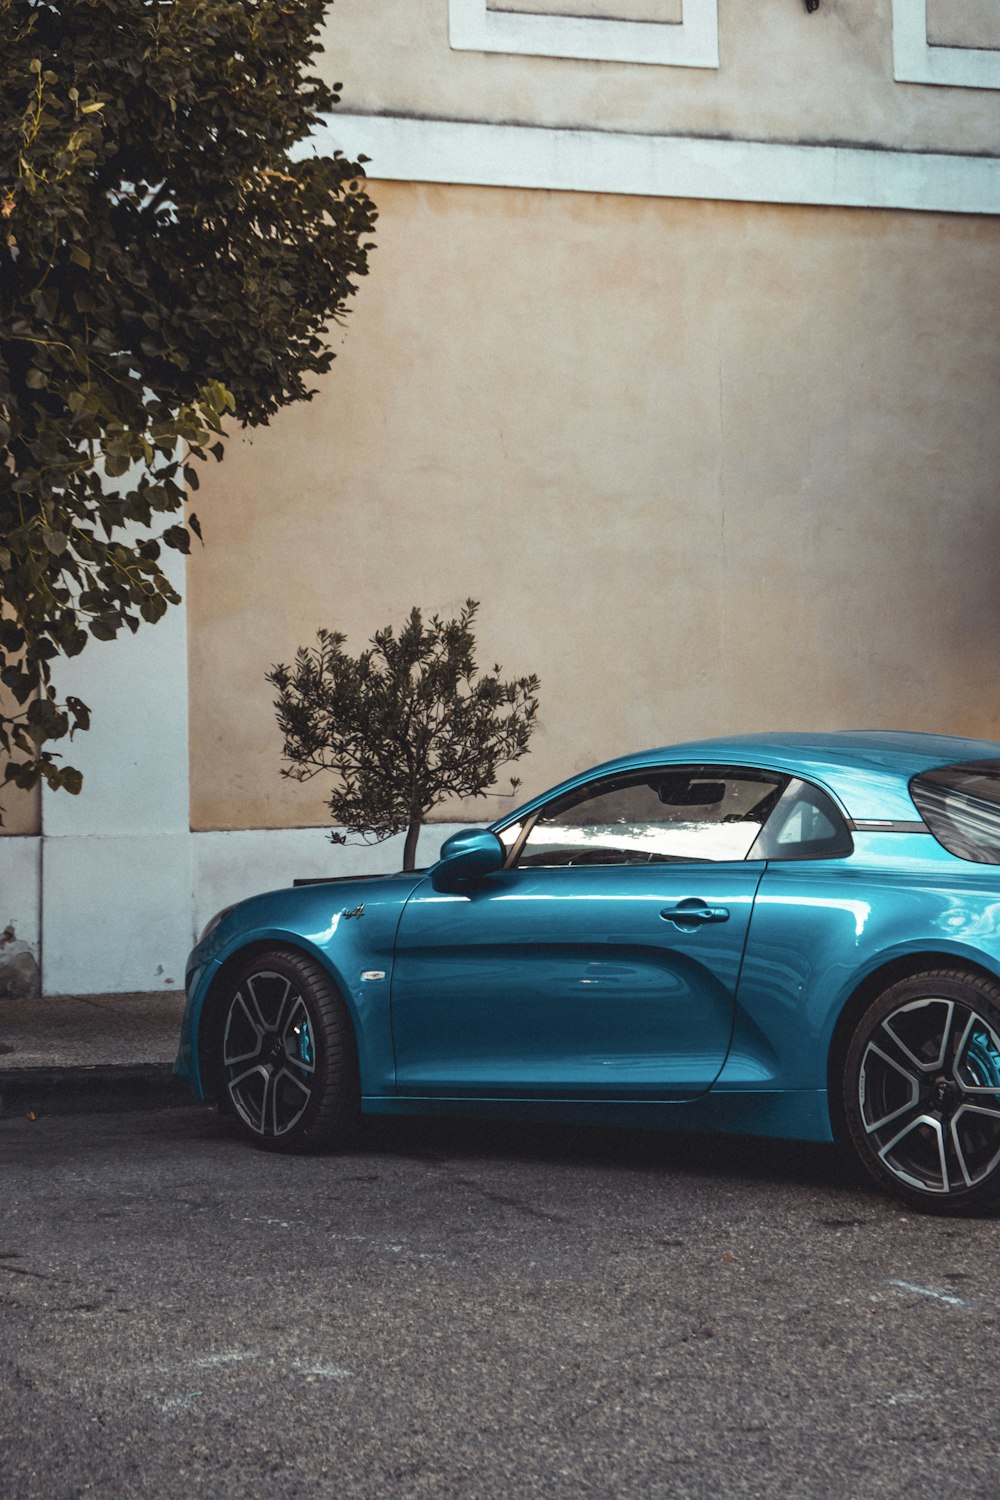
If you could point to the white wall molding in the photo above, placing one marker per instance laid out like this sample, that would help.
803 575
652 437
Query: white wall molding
915 60
691 43
659 166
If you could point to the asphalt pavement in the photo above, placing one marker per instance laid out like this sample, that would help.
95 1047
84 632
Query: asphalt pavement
459 1310
472 1311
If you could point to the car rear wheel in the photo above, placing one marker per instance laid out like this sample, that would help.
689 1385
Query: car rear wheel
286 1055
922 1091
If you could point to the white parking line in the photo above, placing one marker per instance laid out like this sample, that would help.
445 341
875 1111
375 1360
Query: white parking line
928 1291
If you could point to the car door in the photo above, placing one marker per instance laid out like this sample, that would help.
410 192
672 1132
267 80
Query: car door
602 961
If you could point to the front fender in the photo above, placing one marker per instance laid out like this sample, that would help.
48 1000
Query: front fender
347 929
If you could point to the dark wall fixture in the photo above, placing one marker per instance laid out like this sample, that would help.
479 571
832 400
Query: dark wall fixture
812 5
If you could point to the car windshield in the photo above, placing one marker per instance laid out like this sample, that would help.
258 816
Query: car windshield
961 807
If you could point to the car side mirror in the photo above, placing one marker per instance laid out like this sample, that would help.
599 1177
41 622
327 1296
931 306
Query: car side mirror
468 855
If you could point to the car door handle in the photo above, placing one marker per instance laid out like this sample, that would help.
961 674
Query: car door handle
694 913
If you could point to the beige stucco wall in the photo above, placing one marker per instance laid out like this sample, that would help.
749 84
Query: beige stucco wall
783 75
21 811
708 467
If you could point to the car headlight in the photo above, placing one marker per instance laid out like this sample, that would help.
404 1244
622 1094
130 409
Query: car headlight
213 922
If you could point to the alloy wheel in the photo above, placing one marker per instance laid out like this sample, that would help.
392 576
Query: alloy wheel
928 1095
269 1053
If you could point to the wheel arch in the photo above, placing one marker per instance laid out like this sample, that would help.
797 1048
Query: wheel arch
208 1061
904 966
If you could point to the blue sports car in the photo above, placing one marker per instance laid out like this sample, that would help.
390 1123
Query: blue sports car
793 935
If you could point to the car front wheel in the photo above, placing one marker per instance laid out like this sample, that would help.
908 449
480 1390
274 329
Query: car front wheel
922 1091
286 1055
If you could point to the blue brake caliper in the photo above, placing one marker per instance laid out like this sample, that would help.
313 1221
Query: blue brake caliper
305 1046
983 1060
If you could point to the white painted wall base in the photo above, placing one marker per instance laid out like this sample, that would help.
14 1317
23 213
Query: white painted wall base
116 912
116 861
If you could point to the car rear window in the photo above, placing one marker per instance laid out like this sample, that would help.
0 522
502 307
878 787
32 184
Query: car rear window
961 807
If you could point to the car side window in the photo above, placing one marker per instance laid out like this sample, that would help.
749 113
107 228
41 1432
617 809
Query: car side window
695 812
805 824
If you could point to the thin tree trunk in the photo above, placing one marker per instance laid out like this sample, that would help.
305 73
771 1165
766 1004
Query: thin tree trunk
410 847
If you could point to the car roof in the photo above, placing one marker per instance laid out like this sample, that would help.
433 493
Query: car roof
868 771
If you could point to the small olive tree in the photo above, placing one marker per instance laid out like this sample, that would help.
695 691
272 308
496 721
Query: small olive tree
405 725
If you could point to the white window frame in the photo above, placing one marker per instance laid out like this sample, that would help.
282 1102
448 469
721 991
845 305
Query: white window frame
915 60
690 43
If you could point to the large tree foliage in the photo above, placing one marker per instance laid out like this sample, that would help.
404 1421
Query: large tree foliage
403 726
166 259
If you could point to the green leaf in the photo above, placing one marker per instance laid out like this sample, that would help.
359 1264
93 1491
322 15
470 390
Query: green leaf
178 538
11 634
153 608
80 712
74 642
71 780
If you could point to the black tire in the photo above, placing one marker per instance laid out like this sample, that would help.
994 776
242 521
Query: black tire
922 1091
285 1053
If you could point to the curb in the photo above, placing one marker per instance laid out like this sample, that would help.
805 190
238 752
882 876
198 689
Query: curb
95 1090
